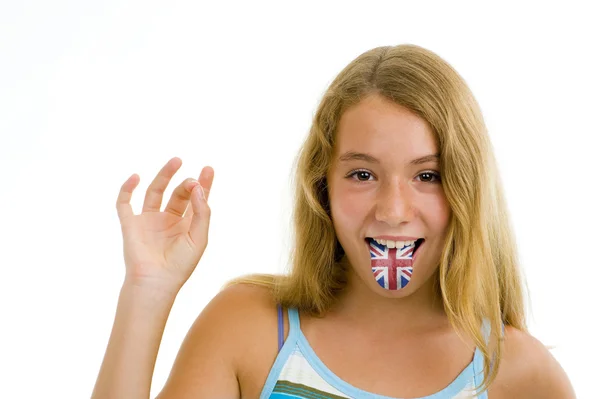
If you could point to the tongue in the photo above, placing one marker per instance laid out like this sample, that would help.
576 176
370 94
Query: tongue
392 267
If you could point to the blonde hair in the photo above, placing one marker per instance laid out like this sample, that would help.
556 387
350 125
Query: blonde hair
478 277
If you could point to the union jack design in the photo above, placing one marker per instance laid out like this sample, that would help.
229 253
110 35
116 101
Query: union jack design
392 267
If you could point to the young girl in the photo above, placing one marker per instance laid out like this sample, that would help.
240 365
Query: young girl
405 280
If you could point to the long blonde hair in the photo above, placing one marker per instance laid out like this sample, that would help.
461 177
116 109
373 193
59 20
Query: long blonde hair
483 284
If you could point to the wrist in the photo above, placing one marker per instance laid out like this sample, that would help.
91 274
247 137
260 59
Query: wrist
150 288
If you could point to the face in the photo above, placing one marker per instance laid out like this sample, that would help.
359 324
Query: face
377 188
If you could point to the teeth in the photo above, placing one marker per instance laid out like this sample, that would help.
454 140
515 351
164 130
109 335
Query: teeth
395 244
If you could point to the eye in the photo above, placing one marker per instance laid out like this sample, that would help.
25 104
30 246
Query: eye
363 175
429 176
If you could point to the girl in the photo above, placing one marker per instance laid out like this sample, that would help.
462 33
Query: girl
405 280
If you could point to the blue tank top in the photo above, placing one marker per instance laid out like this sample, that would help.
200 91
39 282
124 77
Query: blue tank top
298 373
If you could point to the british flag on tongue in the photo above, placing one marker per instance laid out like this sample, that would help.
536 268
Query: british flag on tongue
392 267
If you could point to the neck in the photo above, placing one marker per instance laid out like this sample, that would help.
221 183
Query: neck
359 305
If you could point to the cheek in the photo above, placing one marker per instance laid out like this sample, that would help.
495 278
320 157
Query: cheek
436 211
347 212
443 212
352 208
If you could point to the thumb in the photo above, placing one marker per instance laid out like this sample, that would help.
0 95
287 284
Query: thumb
200 219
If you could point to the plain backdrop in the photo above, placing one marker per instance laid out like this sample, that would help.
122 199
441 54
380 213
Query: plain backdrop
92 92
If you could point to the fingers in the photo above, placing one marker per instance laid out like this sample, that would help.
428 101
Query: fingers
189 212
198 232
206 178
124 209
181 197
200 211
154 194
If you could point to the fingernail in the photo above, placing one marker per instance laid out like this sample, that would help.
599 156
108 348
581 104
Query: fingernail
200 193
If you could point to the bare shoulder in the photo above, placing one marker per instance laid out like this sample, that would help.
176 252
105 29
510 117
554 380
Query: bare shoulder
528 370
212 358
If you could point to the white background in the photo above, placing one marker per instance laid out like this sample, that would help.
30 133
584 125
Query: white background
91 92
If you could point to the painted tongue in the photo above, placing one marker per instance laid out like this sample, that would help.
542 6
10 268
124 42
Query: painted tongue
392 267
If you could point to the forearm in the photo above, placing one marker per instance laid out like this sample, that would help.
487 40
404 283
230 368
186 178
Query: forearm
128 364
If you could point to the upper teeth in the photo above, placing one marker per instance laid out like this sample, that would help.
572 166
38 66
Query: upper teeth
395 244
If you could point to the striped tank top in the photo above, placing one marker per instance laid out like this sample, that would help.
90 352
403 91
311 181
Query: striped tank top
299 374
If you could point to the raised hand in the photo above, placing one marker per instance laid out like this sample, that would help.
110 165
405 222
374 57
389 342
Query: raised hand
162 249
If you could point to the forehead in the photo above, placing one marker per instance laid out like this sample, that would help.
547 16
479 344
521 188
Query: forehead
384 128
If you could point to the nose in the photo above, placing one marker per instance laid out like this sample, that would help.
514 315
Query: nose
394 204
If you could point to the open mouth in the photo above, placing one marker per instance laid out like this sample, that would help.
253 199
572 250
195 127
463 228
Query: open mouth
392 261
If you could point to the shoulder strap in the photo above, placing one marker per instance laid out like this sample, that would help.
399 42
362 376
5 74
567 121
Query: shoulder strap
280 325
294 320
478 358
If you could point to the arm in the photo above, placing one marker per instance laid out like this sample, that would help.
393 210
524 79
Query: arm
161 250
128 364
205 365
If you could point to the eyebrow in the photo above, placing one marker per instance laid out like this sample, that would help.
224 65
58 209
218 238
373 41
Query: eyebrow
360 156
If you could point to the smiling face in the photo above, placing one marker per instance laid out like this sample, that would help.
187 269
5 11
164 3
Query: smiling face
377 188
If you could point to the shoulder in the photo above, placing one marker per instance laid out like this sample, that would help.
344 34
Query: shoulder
241 303
250 326
243 314
528 370
238 326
